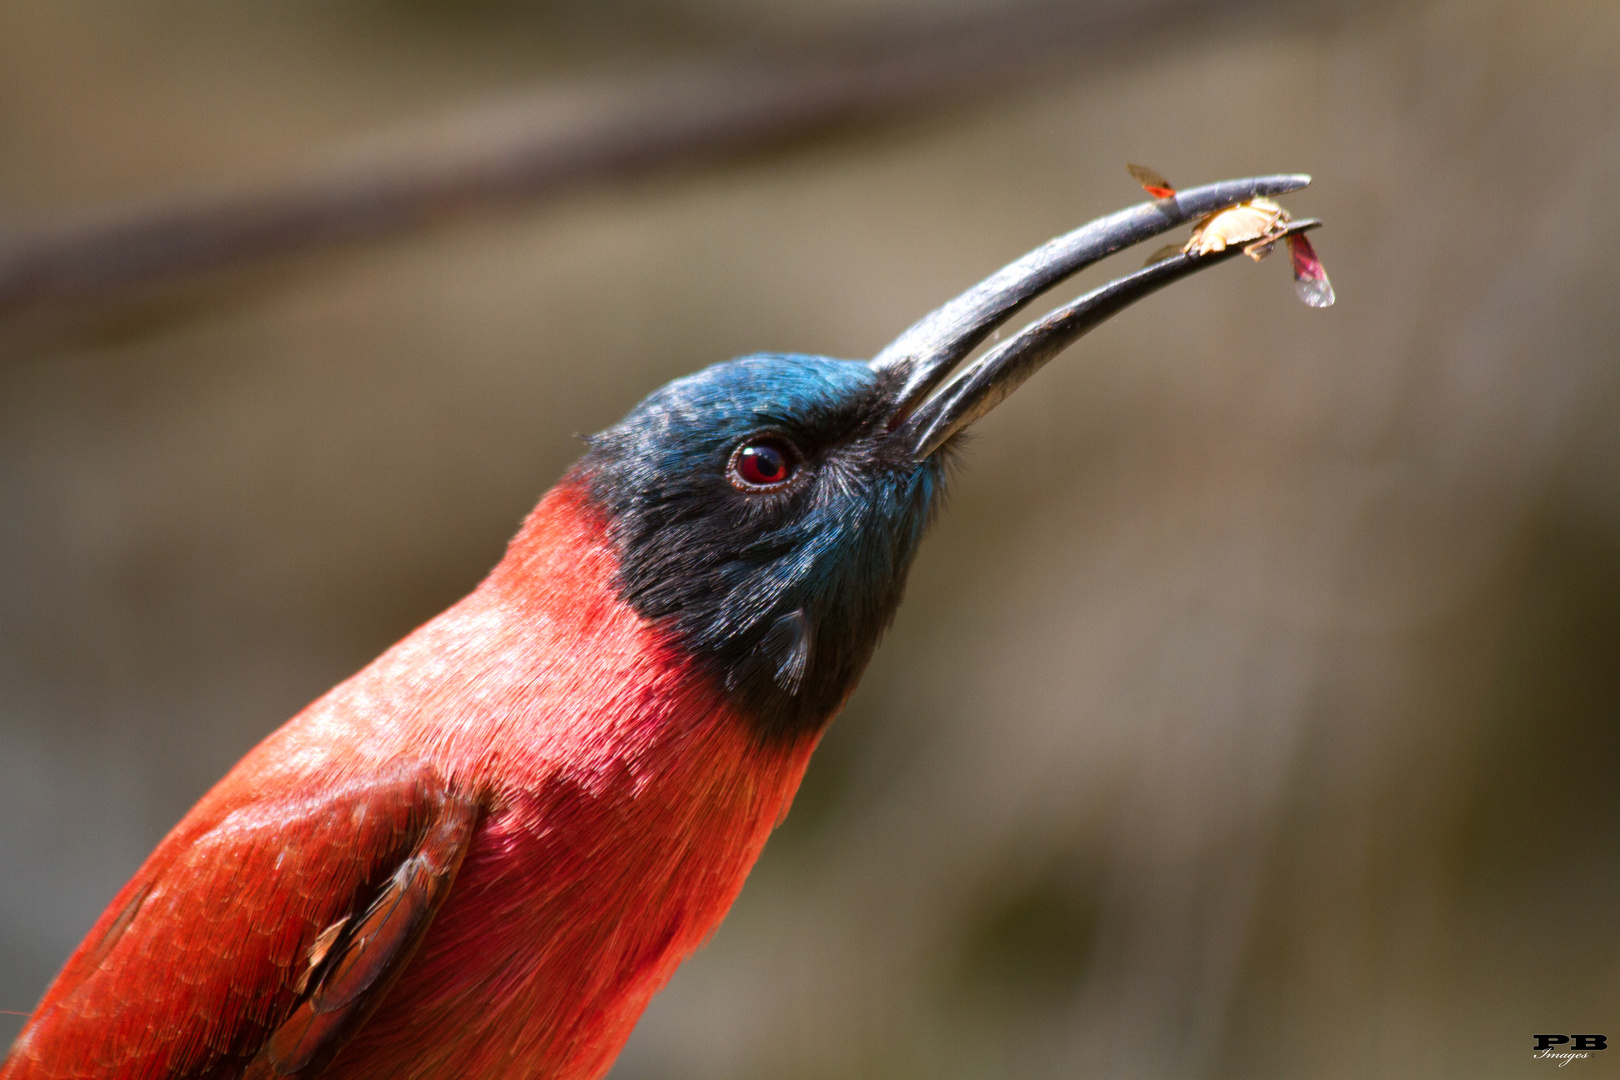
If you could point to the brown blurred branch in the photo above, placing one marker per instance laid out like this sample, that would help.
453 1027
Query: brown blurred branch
505 156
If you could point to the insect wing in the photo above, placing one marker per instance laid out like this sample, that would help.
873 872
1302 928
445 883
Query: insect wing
1153 183
1311 282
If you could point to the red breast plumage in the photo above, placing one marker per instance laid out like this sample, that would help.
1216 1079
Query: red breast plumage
622 803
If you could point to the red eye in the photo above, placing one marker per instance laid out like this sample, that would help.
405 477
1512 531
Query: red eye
763 463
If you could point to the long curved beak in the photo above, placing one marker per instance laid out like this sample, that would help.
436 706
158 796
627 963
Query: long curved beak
925 355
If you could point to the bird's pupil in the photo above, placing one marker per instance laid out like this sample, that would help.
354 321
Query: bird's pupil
766 462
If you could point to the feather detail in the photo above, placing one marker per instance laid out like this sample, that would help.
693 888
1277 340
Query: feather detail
790 640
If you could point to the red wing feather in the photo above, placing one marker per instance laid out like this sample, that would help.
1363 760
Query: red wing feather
370 954
206 955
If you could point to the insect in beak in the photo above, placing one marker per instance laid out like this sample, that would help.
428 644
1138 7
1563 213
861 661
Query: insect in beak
1257 224
927 414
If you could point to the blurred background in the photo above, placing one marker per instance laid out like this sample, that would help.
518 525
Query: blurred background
1255 707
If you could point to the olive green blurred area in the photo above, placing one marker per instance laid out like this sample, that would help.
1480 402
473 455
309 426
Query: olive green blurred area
1255 707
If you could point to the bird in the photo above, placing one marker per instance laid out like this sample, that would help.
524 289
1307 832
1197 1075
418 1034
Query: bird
482 855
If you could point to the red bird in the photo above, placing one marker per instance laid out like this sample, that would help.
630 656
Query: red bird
484 853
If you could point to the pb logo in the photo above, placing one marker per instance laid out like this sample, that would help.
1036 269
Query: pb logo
1571 1042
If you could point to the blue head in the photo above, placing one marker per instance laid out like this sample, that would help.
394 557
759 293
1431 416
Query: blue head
767 509
766 516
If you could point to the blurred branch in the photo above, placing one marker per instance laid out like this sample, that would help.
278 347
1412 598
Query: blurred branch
518 154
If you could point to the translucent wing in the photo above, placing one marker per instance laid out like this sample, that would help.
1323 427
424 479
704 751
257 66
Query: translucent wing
1154 184
1311 282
